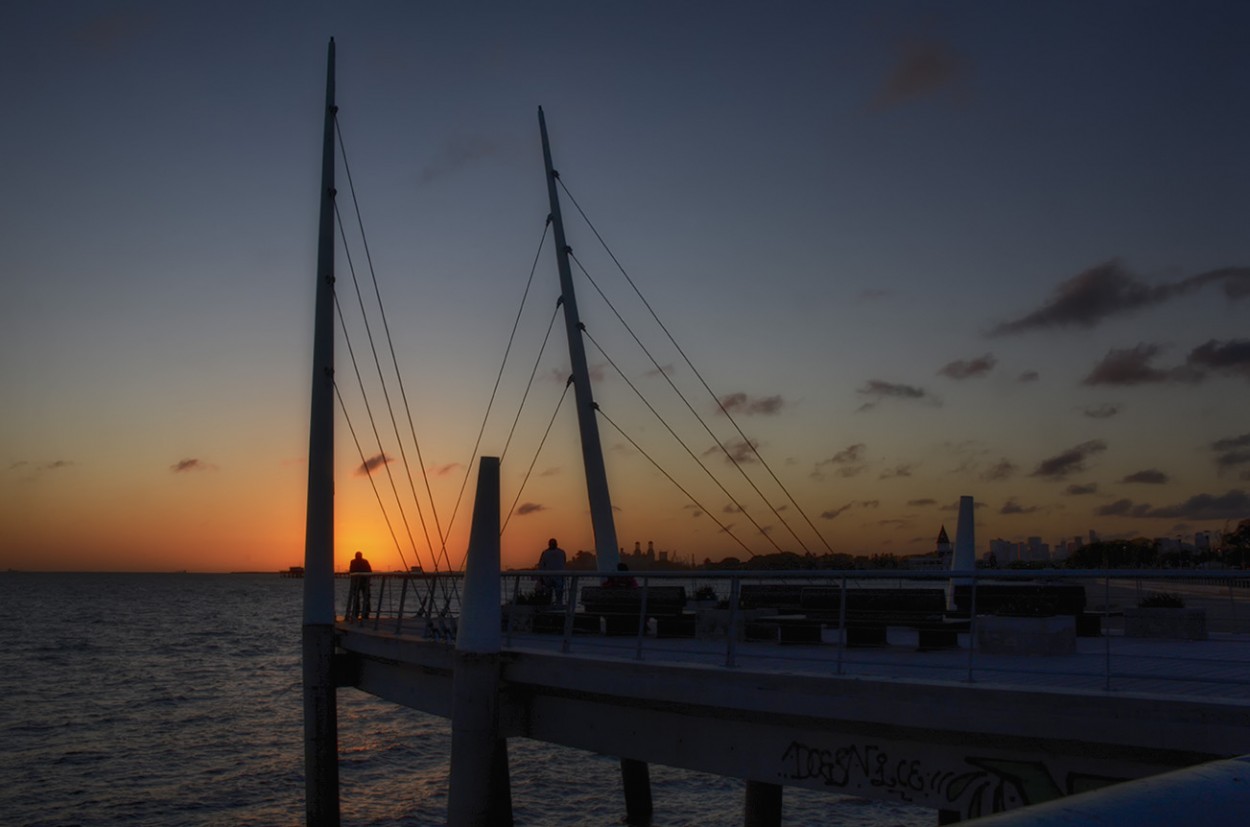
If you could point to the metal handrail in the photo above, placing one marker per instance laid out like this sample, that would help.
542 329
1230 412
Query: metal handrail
437 607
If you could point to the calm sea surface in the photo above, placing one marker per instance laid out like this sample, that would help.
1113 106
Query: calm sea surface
174 699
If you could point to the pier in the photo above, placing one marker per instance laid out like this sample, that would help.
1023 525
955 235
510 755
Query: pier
964 731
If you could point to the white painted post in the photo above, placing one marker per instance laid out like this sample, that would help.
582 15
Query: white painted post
479 790
965 556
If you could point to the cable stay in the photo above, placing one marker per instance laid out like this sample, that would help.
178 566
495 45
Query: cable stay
537 452
468 468
728 454
746 441
376 493
742 510
390 410
530 384
395 362
369 410
724 528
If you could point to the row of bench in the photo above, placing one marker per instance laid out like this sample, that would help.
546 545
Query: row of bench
799 613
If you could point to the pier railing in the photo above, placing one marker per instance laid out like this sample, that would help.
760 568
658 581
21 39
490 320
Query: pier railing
795 619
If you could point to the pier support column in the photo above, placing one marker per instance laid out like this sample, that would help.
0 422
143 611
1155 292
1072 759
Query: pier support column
762 805
636 776
321 740
480 793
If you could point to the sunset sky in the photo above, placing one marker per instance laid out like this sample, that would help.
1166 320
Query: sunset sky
919 250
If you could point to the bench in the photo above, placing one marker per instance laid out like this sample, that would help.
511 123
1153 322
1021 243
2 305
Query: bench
870 611
621 608
782 598
1038 599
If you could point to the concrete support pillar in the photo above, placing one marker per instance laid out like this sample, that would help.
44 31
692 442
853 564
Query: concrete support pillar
480 793
636 776
321 738
762 807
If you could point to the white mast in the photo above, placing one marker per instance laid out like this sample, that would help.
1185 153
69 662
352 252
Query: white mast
321 769
606 550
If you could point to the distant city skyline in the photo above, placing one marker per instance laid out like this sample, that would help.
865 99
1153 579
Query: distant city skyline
918 251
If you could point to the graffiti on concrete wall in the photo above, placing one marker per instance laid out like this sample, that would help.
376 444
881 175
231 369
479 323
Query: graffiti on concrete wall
980 786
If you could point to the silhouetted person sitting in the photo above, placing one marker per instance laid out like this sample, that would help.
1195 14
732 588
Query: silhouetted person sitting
621 581
552 559
358 597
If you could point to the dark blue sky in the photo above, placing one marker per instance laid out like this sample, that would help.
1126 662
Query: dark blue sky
833 206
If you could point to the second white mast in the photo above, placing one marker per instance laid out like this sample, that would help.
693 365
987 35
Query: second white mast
606 550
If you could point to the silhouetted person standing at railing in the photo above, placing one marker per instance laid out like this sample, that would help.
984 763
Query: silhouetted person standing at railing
552 559
358 597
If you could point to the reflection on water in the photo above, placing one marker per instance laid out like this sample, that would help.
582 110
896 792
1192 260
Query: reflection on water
150 699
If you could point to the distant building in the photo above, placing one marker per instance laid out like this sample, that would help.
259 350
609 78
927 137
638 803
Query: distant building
939 558
1004 552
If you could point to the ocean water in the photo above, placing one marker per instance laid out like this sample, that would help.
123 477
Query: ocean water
175 699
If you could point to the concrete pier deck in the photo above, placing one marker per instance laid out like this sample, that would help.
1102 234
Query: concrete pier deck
895 723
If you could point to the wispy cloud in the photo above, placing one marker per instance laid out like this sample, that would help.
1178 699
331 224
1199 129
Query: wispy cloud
1232 357
529 508
743 404
968 368
1151 476
1231 452
444 470
848 462
921 502
114 32
924 67
1232 505
1079 490
30 471
1011 507
1132 366
1101 411
901 470
28 465
834 513
1001 470
1029 376
877 391
1069 461
1108 290
184 466
740 451
372 464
